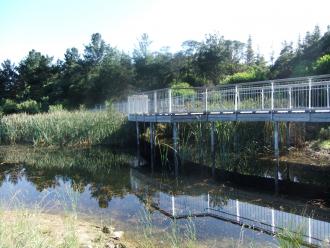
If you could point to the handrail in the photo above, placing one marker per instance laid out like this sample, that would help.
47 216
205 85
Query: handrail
292 93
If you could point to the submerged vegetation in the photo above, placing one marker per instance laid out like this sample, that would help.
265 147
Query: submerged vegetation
76 128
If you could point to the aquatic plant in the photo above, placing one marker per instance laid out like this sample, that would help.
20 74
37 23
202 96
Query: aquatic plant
64 128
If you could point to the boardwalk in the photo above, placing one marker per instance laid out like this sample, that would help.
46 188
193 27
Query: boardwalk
305 99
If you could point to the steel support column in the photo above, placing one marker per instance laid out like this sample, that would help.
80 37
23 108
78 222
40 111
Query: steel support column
213 148
152 144
277 153
175 148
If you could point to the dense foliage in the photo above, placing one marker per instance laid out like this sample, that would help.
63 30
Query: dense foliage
102 72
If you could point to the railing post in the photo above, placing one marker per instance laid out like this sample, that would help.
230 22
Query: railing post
128 105
272 96
309 93
155 102
290 97
170 101
262 99
236 97
206 107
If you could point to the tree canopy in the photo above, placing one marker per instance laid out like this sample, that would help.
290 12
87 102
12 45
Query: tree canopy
102 72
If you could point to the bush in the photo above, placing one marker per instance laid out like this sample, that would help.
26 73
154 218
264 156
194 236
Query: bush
9 107
251 75
182 89
322 65
29 106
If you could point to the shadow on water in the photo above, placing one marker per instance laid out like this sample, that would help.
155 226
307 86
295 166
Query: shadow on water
109 185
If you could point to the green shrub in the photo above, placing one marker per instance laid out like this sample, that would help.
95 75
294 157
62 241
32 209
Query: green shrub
182 89
9 107
29 106
251 75
322 65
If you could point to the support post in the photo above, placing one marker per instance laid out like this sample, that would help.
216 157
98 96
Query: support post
152 146
170 101
328 96
287 137
309 93
213 148
277 153
138 143
175 147
137 134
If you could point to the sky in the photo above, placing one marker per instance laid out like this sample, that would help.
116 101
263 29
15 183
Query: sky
52 26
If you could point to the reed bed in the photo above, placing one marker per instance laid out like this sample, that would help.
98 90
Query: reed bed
64 128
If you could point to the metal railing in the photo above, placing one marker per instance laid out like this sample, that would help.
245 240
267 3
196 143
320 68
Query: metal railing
305 93
229 207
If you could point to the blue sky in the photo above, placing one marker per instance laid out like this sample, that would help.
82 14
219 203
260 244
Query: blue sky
51 26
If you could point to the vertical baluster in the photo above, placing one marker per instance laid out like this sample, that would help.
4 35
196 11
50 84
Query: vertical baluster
262 98
155 102
290 97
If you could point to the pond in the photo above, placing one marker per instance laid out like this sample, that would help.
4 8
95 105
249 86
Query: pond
105 184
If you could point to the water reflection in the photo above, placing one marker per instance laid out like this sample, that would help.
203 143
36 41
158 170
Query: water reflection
107 185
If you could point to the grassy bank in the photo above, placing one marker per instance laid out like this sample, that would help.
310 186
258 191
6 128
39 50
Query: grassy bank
64 128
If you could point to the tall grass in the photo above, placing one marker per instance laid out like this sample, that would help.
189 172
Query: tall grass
62 128
32 227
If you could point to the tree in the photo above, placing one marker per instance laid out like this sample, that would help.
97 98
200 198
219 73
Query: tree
249 54
283 67
217 57
96 50
9 86
36 73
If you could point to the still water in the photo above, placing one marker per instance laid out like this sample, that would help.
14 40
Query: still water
106 185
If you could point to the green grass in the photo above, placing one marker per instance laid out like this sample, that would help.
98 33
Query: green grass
64 128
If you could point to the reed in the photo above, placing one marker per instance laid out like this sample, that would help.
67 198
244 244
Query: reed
64 128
